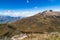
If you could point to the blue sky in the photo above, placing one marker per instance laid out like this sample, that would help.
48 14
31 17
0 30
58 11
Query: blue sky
28 6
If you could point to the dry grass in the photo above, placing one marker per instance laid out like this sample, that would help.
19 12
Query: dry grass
38 36
49 36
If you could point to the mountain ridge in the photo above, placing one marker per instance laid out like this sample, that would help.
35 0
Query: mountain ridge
38 23
5 19
41 19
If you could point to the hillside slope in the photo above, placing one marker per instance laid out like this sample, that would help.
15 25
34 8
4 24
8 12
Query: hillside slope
47 21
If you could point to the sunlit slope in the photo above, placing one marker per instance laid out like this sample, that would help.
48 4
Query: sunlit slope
47 21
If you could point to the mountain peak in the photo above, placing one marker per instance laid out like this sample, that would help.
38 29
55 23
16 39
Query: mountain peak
51 13
47 11
39 23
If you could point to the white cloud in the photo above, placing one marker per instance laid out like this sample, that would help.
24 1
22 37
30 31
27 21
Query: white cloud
35 7
27 1
15 13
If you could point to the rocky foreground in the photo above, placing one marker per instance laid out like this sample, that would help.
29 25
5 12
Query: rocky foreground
36 36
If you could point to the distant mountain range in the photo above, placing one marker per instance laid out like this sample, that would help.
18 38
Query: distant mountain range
5 19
